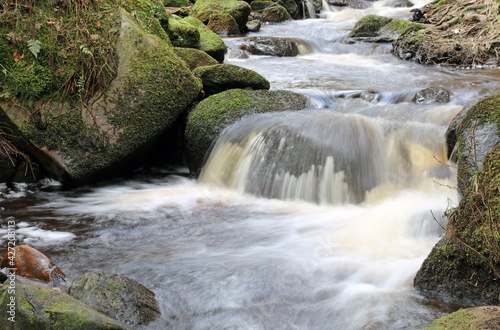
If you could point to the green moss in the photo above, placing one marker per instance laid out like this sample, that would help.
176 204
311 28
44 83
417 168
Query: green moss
195 58
484 111
239 10
210 42
183 34
402 26
114 287
260 5
176 3
276 14
445 2
457 320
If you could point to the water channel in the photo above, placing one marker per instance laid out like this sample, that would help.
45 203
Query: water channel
316 219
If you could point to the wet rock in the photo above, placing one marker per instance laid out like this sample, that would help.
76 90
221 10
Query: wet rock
451 132
463 267
43 308
32 264
476 134
254 25
223 24
373 28
431 95
400 4
291 7
195 58
207 120
210 42
275 14
259 5
116 296
221 77
273 46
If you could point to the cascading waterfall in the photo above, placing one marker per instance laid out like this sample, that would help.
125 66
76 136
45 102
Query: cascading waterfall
326 157
308 9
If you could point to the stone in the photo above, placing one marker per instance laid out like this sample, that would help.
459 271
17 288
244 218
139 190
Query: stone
239 10
431 95
195 58
373 28
183 34
116 296
32 264
210 42
273 46
207 120
254 25
44 308
221 77
223 24
275 14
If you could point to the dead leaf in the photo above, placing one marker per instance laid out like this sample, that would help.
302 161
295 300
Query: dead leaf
18 56
94 37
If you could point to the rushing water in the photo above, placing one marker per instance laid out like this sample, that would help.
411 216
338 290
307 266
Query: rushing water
308 220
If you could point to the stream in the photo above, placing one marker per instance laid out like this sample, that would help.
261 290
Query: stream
317 219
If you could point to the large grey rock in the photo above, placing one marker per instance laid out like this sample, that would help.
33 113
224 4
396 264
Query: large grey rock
116 296
207 120
274 46
44 308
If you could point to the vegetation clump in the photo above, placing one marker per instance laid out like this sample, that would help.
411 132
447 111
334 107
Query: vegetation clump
459 32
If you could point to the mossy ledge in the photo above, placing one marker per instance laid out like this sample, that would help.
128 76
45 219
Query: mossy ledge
207 120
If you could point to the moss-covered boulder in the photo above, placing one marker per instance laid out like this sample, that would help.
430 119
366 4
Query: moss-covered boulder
259 5
210 42
176 3
373 28
476 134
221 77
207 120
291 7
223 24
87 137
195 58
239 10
275 14
484 317
183 34
464 267
273 46
116 296
33 307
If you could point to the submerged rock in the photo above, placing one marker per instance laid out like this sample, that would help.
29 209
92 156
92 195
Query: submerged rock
432 95
116 296
373 28
30 263
274 46
221 77
43 308
207 120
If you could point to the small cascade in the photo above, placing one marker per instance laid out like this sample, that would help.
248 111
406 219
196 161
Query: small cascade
325 157
308 9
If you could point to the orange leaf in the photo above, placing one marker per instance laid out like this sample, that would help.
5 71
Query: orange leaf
18 56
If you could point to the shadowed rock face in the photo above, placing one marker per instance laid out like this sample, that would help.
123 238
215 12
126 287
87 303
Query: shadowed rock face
116 296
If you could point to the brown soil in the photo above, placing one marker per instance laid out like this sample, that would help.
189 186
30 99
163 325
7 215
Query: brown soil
460 32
